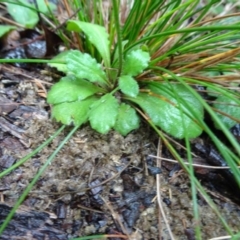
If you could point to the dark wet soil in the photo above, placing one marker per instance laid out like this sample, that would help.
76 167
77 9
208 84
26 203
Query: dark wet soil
97 183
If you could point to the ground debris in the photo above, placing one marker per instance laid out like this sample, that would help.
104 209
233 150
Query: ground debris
7 106
30 225
14 130
214 158
88 170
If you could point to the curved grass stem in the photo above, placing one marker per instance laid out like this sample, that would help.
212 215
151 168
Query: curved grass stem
30 186
119 38
23 160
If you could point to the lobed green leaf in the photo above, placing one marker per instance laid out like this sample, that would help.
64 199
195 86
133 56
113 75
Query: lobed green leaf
61 66
71 89
165 110
127 119
82 65
135 62
73 112
128 85
23 15
103 113
96 34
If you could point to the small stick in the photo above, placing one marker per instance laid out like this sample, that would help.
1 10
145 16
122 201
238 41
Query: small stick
158 184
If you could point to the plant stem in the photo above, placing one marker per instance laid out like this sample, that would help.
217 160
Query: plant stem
23 160
193 178
119 35
17 60
30 186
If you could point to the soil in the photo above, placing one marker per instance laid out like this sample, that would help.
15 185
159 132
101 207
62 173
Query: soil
97 184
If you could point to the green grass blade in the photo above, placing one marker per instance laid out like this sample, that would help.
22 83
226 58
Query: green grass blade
33 182
23 160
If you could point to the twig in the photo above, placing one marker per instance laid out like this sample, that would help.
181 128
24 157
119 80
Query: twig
187 163
221 238
89 209
9 21
114 176
159 153
116 217
16 71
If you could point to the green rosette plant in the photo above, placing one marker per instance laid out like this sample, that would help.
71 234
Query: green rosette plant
147 60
